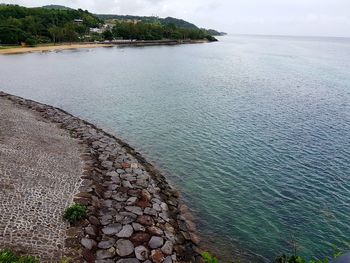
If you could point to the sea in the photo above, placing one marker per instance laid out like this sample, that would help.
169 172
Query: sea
254 131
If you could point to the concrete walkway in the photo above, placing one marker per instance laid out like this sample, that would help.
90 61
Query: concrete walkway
40 172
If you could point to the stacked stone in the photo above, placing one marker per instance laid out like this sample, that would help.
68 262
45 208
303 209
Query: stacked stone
134 215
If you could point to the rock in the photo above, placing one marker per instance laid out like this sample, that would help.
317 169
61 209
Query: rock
133 166
128 260
106 219
164 206
112 229
88 256
167 249
153 230
88 243
138 227
134 209
90 231
140 238
156 242
157 207
150 211
195 238
112 174
132 200
106 243
103 254
124 247
104 261
145 220
126 217
157 256
126 231
141 253
168 259
126 165
94 221
127 184
120 197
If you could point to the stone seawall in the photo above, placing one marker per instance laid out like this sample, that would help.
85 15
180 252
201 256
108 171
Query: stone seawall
134 215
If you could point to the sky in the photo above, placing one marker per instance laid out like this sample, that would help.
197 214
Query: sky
268 17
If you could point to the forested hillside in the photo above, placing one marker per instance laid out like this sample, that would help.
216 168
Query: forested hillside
42 25
60 24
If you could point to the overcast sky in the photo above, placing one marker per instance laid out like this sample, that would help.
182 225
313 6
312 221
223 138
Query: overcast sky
275 17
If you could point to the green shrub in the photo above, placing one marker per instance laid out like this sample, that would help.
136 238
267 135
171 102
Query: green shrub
75 213
28 259
208 258
31 41
8 256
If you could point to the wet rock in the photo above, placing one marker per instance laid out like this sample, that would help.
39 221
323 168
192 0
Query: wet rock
126 231
156 242
141 253
124 247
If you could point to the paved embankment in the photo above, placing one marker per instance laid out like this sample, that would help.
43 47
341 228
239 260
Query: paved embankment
40 172
134 215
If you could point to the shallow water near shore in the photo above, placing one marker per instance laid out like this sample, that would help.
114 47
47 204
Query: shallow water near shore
254 131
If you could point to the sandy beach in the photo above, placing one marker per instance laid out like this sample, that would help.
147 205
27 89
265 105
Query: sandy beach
21 50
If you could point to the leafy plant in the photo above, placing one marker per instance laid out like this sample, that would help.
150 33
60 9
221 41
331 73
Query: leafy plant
8 256
75 213
208 258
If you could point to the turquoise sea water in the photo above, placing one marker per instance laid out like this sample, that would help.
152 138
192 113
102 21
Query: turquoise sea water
254 131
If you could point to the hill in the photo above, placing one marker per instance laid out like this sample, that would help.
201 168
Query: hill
150 19
61 7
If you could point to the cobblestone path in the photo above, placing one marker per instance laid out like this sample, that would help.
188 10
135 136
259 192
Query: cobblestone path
40 170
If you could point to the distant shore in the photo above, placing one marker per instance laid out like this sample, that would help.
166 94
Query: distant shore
11 50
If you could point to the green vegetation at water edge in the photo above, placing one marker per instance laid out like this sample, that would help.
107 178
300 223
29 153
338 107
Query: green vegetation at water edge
155 31
8 256
52 24
75 213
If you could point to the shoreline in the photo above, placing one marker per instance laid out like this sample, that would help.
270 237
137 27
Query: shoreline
71 46
174 221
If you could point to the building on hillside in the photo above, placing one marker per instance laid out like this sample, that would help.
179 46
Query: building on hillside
78 21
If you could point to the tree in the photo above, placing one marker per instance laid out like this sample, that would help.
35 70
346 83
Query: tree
107 35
